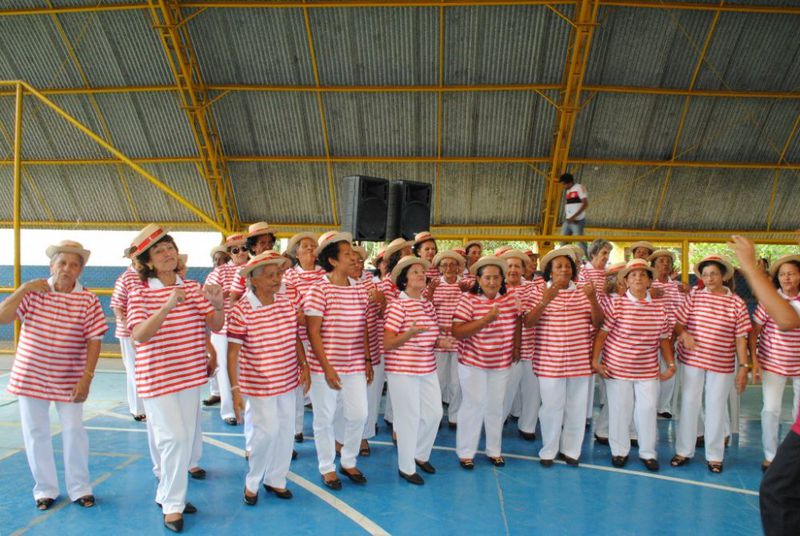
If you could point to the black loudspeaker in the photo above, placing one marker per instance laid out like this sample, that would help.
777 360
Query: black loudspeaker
409 209
364 206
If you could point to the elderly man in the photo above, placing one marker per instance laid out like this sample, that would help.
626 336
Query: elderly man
56 313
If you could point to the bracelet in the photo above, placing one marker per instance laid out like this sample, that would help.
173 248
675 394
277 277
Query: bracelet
671 365
747 366
90 373
234 387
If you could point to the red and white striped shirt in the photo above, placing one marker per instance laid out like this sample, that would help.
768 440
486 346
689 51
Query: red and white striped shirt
389 289
224 276
492 346
344 320
174 359
714 321
301 281
416 355
51 354
125 283
635 329
445 300
778 351
374 322
563 335
596 275
267 335
432 273
524 290
673 297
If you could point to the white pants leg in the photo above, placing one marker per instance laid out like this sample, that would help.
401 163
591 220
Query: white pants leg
197 443
173 418
374 393
135 405
514 380
601 422
271 456
299 409
562 415
419 410
213 385
718 388
388 413
574 417
454 389
220 344
590 398
620 403
248 426
155 457
474 385
666 388
354 408
443 374
35 420
645 396
692 381
772 386
497 380
531 399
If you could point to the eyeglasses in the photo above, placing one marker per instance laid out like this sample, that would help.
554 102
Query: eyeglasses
237 249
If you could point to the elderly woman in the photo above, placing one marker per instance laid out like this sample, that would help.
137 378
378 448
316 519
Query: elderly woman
335 309
126 281
445 292
169 316
425 248
595 271
224 277
641 250
565 317
712 327
40 375
219 255
487 323
266 364
635 327
410 334
260 238
473 250
777 357
522 380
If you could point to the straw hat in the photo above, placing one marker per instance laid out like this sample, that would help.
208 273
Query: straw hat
68 246
502 249
460 251
378 256
489 260
728 274
635 264
424 236
449 254
396 245
773 269
259 228
577 252
565 251
361 252
238 239
148 236
470 243
405 262
294 241
218 249
515 254
331 237
268 257
642 244
615 268
661 253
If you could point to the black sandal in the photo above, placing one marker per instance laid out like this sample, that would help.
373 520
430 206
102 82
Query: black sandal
44 504
469 465
678 460
364 451
87 501
498 461
715 467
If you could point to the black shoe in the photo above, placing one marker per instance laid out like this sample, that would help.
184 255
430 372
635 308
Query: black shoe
651 464
527 436
139 418
298 438
425 466
569 461
358 477
544 462
389 424
600 440
250 500
231 421
44 504
174 526
188 508
665 415
469 465
700 443
619 461
334 484
499 461
285 494
413 478
87 501
212 400
635 443
294 454
199 474
452 425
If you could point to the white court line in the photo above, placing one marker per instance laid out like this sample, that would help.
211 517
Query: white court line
363 521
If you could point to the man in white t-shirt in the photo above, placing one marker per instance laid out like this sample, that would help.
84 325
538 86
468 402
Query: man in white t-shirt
575 203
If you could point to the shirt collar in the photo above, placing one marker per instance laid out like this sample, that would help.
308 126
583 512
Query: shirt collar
77 288
253 299
784 296
570 287
727 290
634 299
156 283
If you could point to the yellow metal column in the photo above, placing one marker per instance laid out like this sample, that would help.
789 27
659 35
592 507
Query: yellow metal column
170 23
685 262
17 198
584 24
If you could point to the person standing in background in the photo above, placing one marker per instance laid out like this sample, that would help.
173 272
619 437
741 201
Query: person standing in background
576 201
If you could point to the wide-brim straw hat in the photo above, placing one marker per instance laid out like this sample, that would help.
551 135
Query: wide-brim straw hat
361 252
724 261
378 256
460 251
471 243
234 240
259 228
405 262
68 246
449 254
564 251
489 260
502 249
396 245
642 244
776 265
146 238
218 249
331 237
614 269
424 236
268 257
294 241
515 254
577 252
661 253
635 264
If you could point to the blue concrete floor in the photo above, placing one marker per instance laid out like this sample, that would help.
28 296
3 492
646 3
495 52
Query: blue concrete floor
521 498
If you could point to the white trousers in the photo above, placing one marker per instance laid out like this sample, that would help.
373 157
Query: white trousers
173 418
213 386
299 409
449 362
35 419
135 404
354 409
271 454
717 388
197 446
220 344
666 389
590 398
632 399
773 387
388 413
418 400
523 380
563 415
374 394
482 396
601 422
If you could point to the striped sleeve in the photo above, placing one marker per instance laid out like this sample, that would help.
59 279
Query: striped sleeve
24 307
314 303
394 317
760 315
743 324
237 328
464 309
95 324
